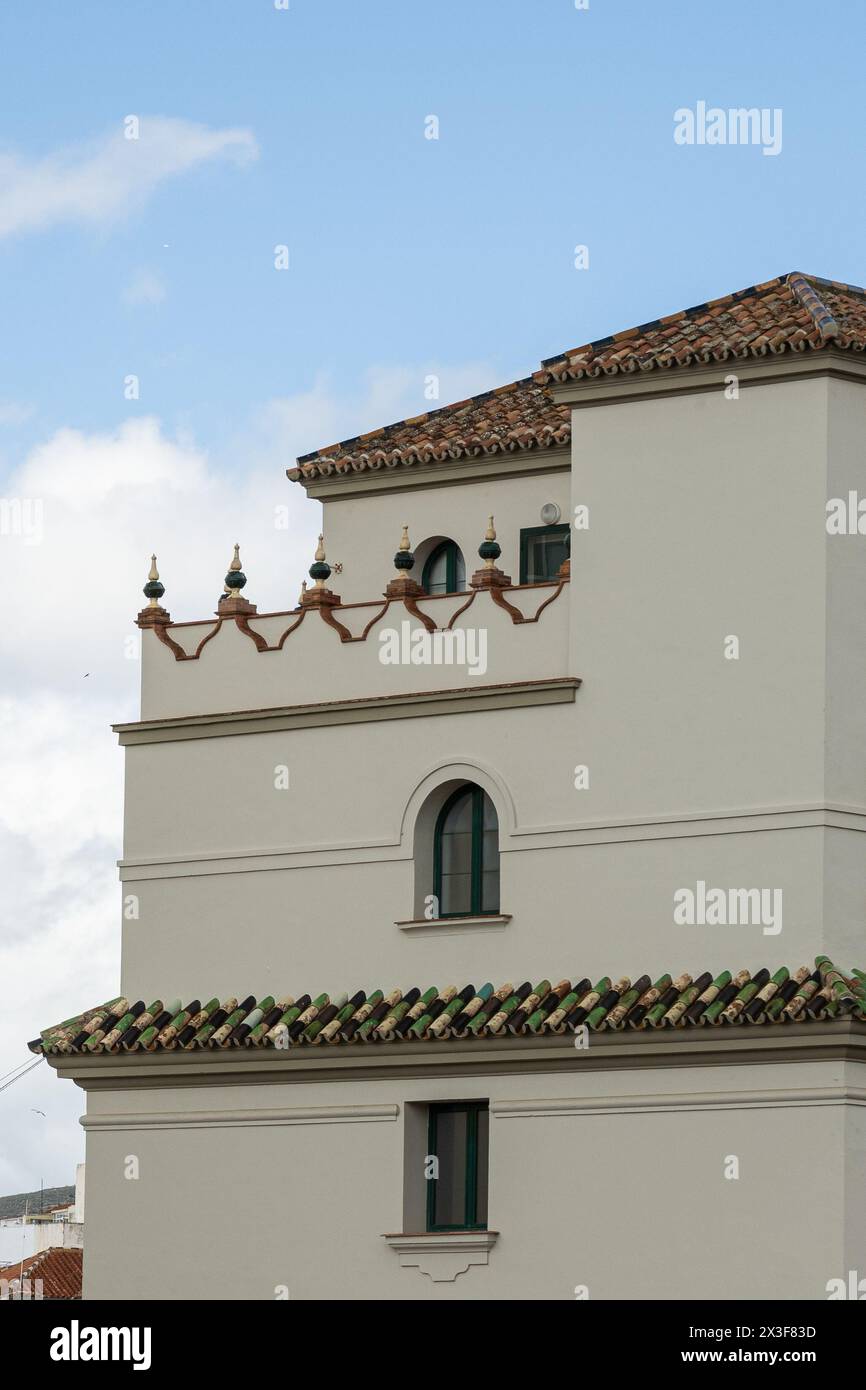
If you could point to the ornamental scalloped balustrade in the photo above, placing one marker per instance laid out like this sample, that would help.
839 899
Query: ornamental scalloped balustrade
325 651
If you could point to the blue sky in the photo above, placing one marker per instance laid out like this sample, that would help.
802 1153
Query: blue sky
555 129
262 127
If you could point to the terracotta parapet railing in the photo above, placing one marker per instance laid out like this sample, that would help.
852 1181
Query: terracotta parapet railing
353 622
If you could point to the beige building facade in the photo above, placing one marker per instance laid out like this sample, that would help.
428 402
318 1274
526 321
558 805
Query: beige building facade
490 763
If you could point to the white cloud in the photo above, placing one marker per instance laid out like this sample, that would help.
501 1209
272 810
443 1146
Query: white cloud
59 818
108 500
102 180
144 288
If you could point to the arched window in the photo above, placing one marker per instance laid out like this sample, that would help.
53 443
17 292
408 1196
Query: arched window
466 855
444 572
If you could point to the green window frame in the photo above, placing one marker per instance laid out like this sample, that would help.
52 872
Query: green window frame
455 569
479 904
532 556
474 1161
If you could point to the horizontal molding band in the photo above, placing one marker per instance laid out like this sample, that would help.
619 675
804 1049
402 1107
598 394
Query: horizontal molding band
732 821
557 1106
552 690
770 1099
580 835
233 1119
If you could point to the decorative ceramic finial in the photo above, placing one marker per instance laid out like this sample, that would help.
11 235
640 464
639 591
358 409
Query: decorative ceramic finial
232 603
320 569
404 559
153 615
404 586
153 589
235 579
319 596
490 576
490 549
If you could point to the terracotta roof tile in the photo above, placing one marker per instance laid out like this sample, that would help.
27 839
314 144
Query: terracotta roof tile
793 313
520 415
59 1269
786 997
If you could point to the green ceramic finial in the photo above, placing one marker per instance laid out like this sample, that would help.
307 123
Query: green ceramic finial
490 549
153 589
235 579
320 569
404 559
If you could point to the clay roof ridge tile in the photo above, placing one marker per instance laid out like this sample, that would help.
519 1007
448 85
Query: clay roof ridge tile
807 296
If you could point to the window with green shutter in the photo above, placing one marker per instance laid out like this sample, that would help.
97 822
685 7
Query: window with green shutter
542 551
466 855
458 1139
444 572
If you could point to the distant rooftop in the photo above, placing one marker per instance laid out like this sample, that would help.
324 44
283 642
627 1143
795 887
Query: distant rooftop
58 1269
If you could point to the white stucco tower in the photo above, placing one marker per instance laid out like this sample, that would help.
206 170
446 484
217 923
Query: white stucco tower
600 716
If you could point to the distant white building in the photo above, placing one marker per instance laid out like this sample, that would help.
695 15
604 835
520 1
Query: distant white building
529 970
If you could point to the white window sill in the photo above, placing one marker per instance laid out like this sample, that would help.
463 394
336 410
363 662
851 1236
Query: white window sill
495 919
442 1255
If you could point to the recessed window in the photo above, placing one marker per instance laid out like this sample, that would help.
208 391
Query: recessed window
466 855
458 1138
542 551
444 572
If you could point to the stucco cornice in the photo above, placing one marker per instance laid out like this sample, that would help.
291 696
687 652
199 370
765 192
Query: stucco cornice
832 1040
483 468
678 381
460 700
